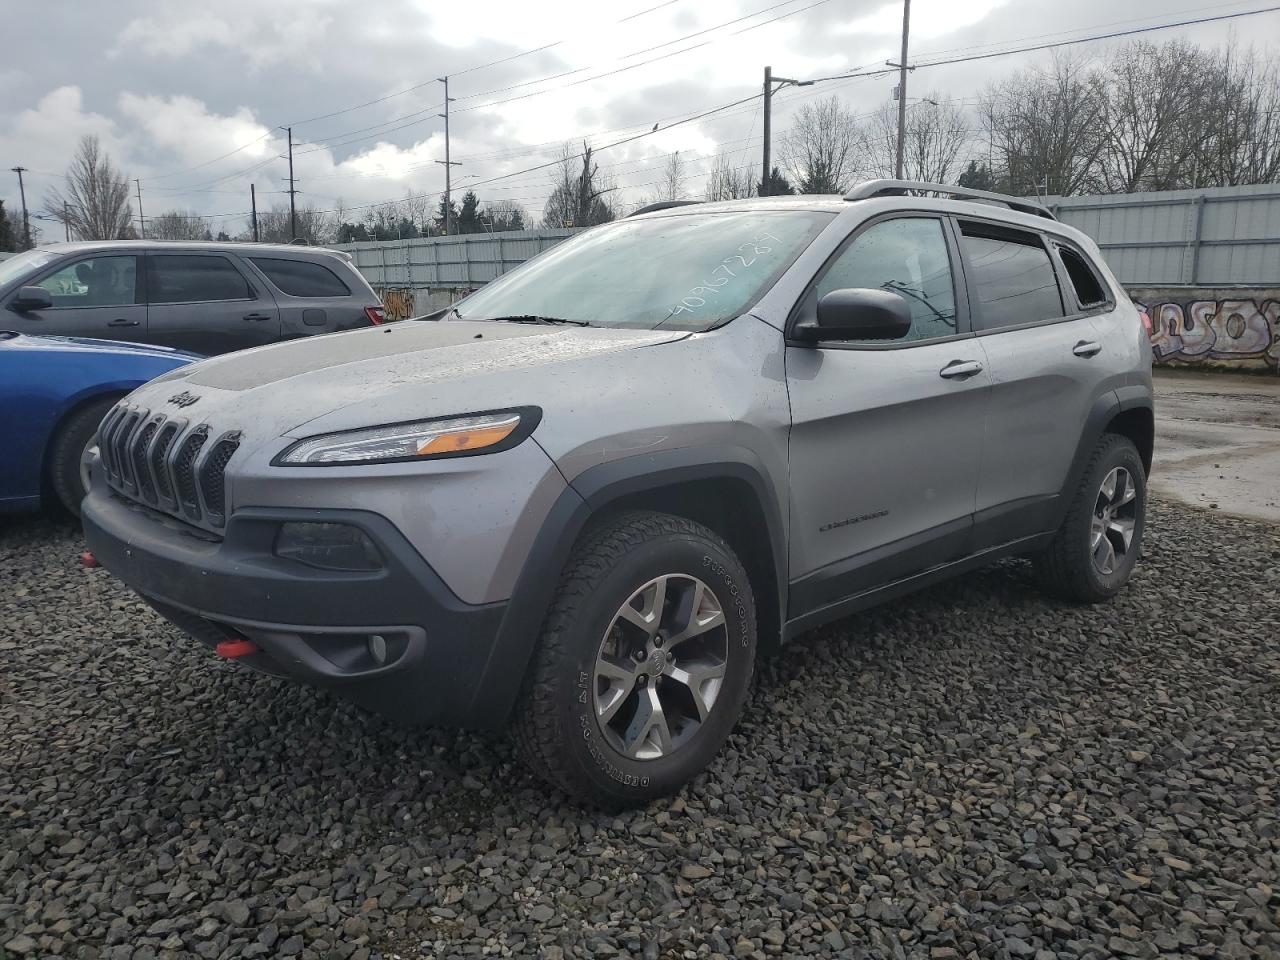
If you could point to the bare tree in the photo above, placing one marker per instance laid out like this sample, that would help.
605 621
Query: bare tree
672 187
1046 129
727 182
314 226
506 215
1242 113
96 203
935 139
178 225
579 195
418 210
822 147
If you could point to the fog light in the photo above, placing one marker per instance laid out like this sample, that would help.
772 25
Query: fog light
329 546
378 648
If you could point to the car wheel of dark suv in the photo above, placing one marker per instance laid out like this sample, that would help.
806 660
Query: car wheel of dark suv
1095 550
644 661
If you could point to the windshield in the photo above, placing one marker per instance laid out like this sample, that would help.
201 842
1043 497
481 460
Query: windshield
687 272
24 263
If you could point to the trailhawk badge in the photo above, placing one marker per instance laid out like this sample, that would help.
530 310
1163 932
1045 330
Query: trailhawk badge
183 399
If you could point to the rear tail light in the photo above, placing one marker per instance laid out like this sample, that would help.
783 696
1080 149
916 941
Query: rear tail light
377 316
1146 321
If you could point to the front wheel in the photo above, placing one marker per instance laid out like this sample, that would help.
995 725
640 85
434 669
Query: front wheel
72 453
643 664
1094 552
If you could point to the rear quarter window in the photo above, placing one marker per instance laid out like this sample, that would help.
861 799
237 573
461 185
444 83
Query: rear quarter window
302 278
1010 275
1084 278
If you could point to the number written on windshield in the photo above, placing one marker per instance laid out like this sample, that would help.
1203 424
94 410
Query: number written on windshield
724 272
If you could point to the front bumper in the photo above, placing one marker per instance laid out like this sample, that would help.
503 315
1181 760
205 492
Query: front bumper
311 625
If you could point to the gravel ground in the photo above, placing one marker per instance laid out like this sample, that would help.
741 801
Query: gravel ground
973 772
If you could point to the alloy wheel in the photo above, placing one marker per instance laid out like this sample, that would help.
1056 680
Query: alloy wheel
1115 518
660 667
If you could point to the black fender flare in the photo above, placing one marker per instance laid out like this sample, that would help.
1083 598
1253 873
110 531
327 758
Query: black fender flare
588 494
1106 407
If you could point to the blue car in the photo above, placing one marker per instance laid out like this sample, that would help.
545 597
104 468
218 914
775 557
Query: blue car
54 391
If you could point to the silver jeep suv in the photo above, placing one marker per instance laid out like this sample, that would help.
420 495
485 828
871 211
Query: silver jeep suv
587 499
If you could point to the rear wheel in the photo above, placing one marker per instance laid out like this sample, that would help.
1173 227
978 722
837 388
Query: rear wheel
1094 552
72 452
643 664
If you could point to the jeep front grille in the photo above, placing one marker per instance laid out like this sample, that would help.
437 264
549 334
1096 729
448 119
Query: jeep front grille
167 463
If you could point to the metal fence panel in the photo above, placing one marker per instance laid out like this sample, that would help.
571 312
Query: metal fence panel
1217 236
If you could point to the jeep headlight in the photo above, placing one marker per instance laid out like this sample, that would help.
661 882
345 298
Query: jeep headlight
415 440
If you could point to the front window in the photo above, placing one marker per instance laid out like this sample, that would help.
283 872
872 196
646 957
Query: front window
686 272
24 263
96 282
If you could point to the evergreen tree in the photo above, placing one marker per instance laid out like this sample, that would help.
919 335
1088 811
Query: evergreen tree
7 244
977 176
469 216
776 186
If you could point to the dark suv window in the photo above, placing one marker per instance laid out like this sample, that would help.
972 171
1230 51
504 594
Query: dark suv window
174 278
301 278
906 256
1083 278
1011 276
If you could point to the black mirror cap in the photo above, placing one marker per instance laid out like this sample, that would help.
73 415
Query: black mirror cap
859 313
32 298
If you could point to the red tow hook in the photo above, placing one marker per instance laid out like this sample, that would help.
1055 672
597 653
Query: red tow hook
231 649
87 559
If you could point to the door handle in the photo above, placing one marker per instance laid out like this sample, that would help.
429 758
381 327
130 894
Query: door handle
1087 348
122 322
256 316
960 369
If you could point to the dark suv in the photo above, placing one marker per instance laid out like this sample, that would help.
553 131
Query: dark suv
203 297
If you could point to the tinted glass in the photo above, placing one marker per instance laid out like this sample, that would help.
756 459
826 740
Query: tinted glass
1083 278
99 282
687 271
1011 277
301 278
183 279
909 257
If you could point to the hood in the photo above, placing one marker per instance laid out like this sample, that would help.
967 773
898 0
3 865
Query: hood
401 371
24 341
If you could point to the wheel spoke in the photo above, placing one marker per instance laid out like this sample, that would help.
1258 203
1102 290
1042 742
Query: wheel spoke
703 680
1129 494
1097 531
1123 528
649 616
1104 555
703 614
648 735
1108 490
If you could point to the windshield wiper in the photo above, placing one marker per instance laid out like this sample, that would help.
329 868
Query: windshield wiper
532 318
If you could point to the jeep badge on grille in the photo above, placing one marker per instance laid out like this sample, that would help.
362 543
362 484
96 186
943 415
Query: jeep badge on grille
183 399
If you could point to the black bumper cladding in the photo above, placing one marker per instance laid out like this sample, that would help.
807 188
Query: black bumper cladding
429 648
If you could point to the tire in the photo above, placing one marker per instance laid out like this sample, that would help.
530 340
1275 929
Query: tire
70 444
586 722
1074 565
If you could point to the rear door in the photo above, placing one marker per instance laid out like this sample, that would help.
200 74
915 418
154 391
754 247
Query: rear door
1041 350
205 303
93 296
315 296
886 436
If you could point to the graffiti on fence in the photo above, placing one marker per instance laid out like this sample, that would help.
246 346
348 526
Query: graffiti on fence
398 303
1243 333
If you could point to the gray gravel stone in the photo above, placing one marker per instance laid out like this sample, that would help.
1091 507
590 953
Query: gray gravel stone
973 772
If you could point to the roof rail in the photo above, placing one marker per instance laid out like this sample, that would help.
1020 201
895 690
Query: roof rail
662 205
895 188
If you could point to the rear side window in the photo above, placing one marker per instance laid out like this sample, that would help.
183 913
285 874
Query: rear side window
174 278
1011 276
1088 288
302 278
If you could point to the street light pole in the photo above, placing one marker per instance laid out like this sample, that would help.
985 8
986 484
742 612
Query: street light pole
766 178
26 220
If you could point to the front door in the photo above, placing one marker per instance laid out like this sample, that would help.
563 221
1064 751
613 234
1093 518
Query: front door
886 437
95 296
202 302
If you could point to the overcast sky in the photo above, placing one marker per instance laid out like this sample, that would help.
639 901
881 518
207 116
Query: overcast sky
172 88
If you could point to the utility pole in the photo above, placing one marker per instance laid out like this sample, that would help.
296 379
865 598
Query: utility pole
66 219
142 223
766 178
26 220
902 88
253 209
293 209
448 164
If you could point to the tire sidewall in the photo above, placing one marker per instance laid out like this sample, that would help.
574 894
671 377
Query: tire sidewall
594 757
69 445
1122 454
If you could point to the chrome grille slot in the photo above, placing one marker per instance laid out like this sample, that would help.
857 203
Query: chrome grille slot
120 446
213 476
159 460
184 473
138 456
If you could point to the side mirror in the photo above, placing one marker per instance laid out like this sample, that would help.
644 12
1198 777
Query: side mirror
32 298
859 313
